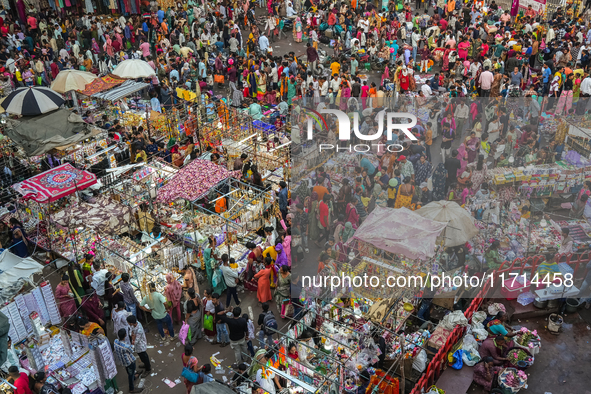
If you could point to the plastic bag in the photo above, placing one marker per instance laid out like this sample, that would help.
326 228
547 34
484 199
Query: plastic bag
457 363
478 317
183 332
479 331
453 319
470 359
495 308
420 361
190 375
469 343
470 355
208 322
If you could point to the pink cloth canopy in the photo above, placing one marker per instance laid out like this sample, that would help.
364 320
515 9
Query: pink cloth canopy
56 183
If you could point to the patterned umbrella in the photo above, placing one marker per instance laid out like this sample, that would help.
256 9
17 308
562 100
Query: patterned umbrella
32 101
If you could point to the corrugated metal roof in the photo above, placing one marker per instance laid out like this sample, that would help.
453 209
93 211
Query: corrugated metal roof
125 89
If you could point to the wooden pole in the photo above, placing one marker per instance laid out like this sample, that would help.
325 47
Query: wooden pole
403 380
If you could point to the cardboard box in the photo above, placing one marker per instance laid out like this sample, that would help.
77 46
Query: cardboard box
445 300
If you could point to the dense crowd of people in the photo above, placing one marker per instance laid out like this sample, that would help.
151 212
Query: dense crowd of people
479 49
460 51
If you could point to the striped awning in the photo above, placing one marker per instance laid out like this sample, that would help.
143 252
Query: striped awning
123 90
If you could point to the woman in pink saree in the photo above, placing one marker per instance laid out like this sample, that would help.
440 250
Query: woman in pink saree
95 47
351 214
173 292
472 144
345 94
65 298
119 39
108 47
463 156
385 75
364 94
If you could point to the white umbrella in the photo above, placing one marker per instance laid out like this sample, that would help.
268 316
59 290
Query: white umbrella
460 224
68 80
134 68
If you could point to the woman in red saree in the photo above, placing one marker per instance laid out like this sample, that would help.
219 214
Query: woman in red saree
65 298
190 362
254 258
264 281
351 214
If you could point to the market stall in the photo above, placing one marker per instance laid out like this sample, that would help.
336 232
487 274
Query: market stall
194 181
40 134
45 194
102 214
216 205
127 101
408 233
15 272
69 359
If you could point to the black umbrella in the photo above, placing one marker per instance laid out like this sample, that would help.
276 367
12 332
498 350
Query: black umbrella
31 101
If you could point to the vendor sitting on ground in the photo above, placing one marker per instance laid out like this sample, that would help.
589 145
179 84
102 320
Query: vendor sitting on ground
492 256
485 372
548 269
497 326
496 348
220 204
89 328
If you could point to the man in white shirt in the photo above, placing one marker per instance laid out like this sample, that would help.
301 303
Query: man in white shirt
231 279
290 12
486 80
566 245
233 44
415 37
363 24
461 114
586 86
426 89
323 87
98 280
263 42
274 76
64 54
335 84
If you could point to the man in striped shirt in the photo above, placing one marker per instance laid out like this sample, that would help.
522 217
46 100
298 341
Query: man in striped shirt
124 356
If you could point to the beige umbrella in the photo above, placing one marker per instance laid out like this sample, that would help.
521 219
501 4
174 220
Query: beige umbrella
69 80
134 68
460 224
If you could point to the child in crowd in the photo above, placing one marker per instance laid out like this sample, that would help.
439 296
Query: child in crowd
250 325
